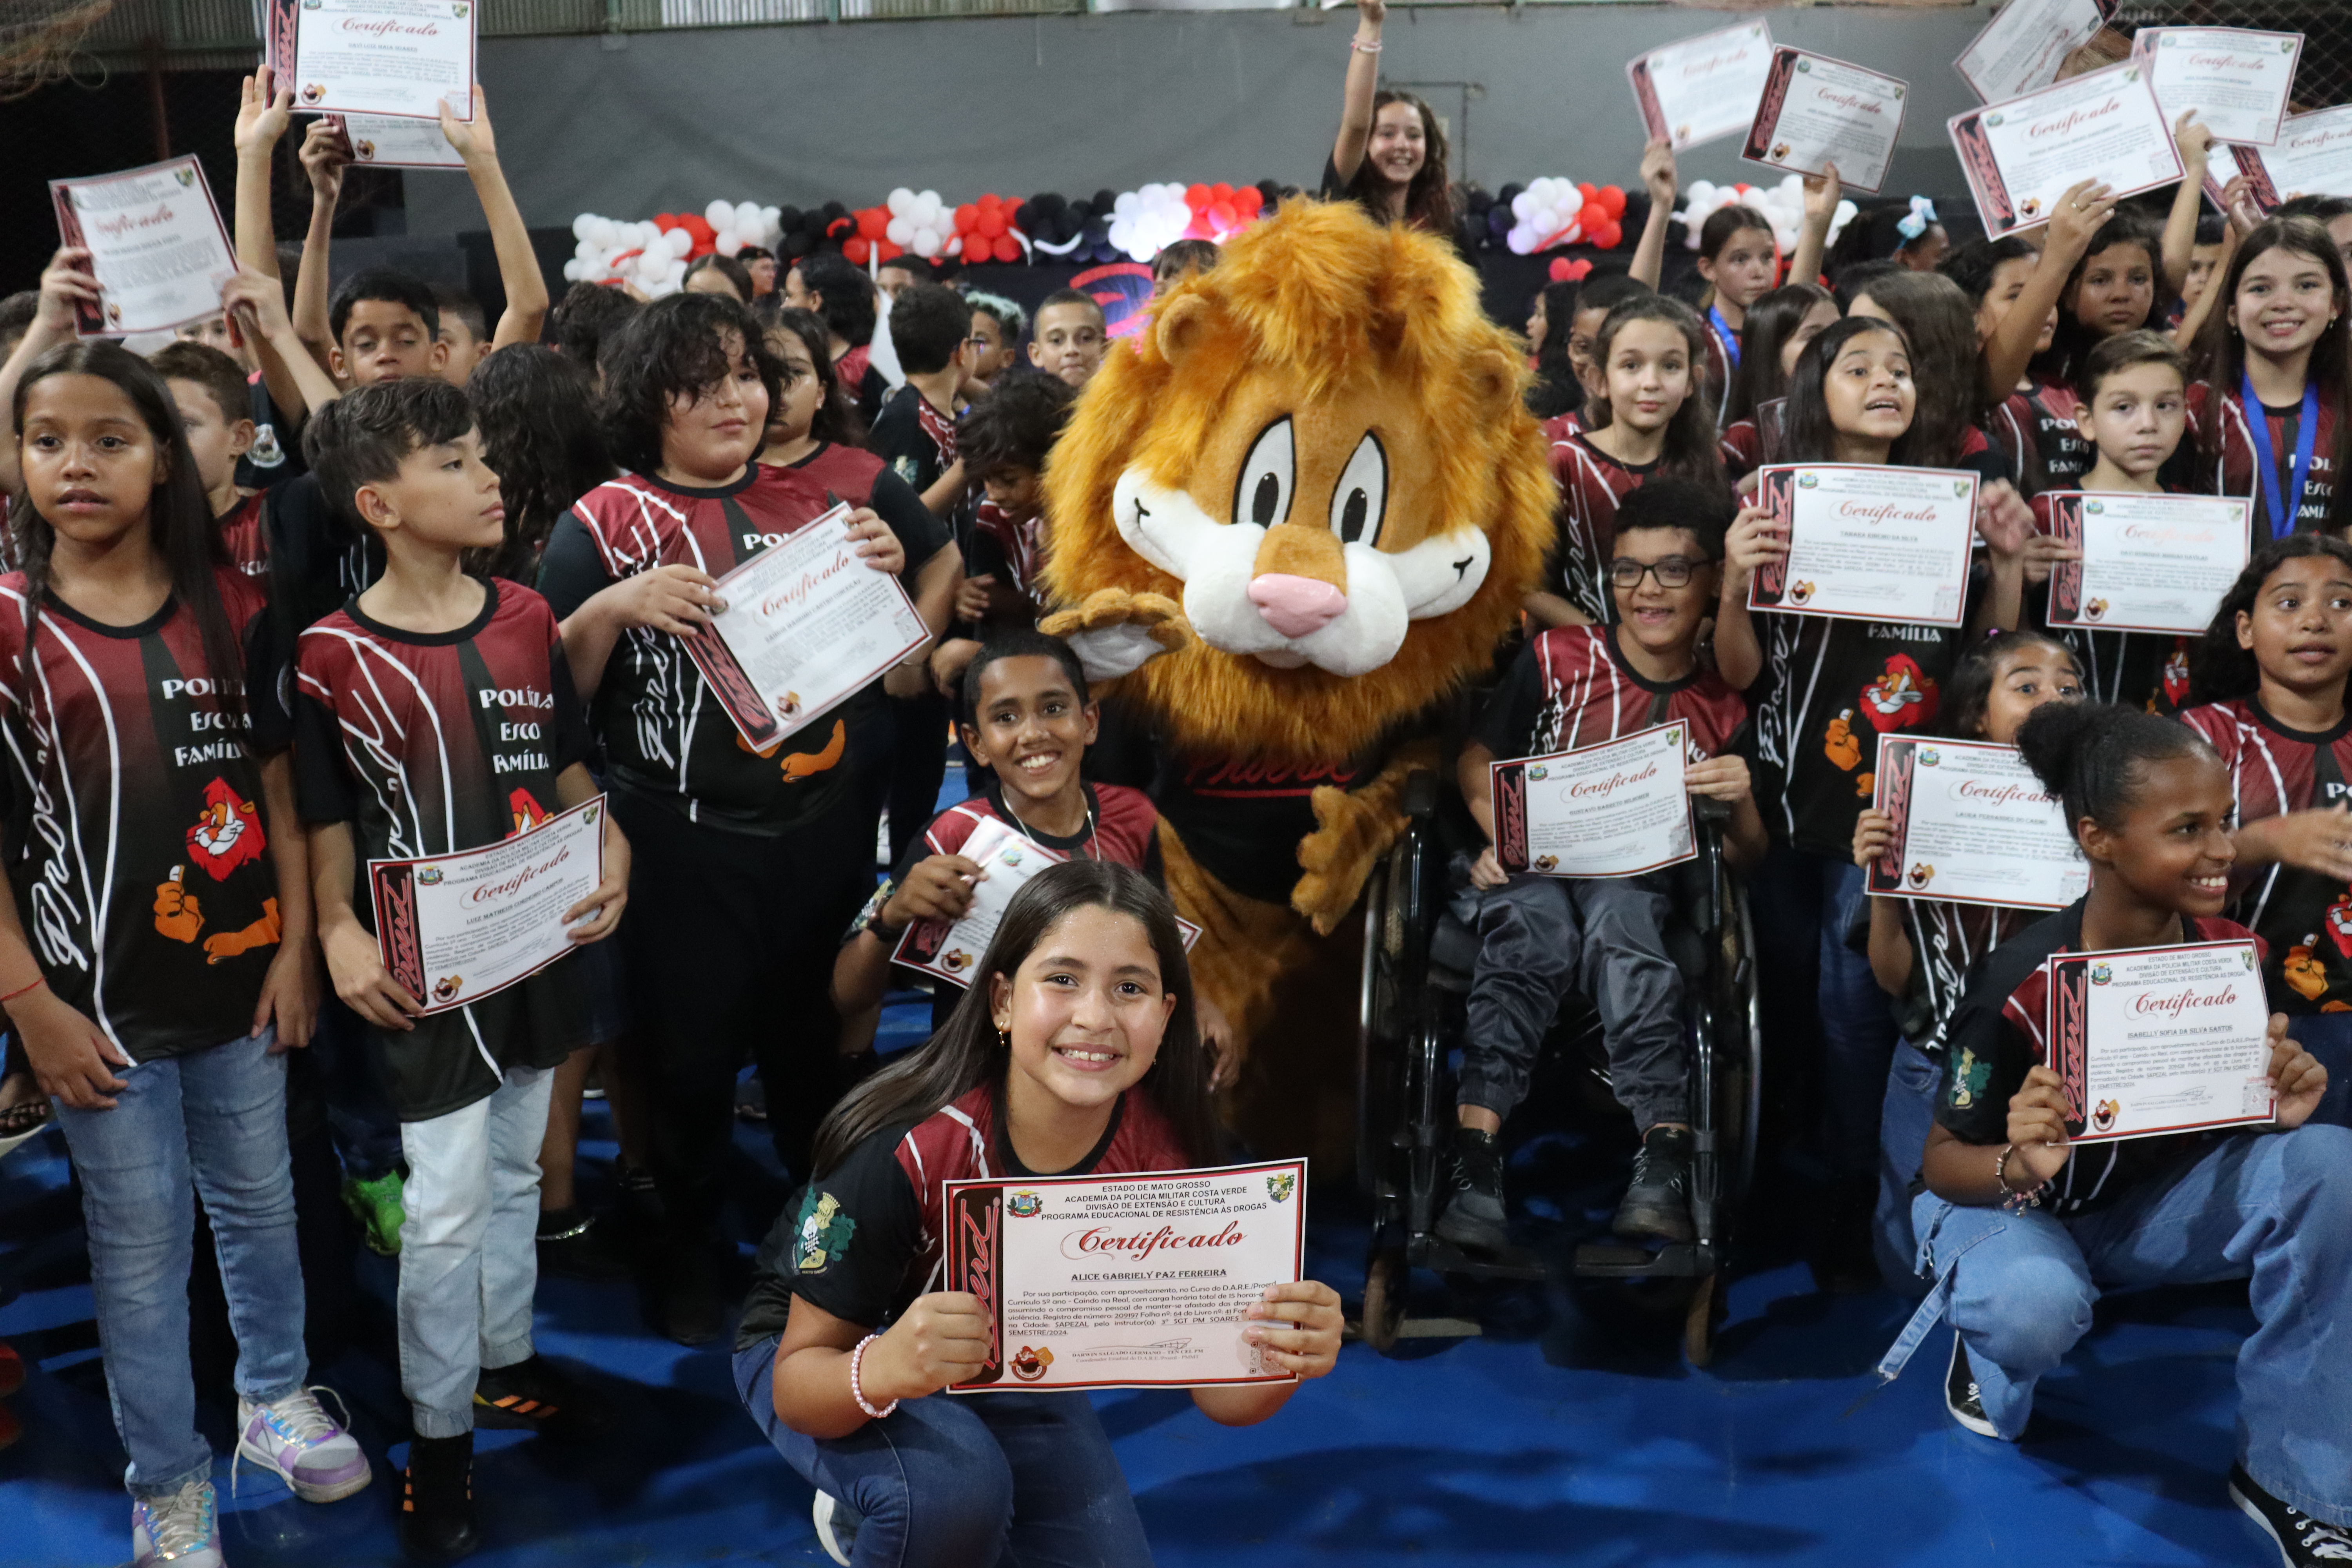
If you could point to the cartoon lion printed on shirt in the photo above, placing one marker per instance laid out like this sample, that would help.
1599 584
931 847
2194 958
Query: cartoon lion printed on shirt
1304 505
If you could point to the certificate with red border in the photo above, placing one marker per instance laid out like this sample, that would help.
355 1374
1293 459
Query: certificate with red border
2236 78
398 141
1972 826
2022 49
2020 156
454 929
157 246
1869 542
2149 1040
1818 110
1702 88
403 57
1617 809
1136 1280
2150 562
2312 157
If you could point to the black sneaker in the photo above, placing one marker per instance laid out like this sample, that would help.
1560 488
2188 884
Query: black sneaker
1473 1178
436 1500
2300 1538
690 1306
1657 1203
1960 1395
572 1244
534 1396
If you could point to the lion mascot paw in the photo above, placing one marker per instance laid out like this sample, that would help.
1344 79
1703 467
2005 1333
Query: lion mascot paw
1286 522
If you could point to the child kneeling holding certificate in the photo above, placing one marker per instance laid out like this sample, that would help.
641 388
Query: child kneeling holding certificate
2022 1229
1074 1052
434 714
1542 937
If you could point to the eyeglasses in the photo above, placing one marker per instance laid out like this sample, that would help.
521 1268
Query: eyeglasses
1671 572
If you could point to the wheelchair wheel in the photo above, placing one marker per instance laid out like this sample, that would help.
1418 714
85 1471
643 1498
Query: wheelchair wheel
1386 1280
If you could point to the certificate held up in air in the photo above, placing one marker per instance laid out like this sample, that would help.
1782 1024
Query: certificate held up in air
2022 156
404 58
1816 110
1703 89
156 244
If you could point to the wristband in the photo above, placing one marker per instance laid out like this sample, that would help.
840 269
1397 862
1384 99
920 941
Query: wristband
1362 48
858 1393
39 981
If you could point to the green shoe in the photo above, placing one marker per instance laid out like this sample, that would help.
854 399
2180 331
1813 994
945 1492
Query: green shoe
377 1205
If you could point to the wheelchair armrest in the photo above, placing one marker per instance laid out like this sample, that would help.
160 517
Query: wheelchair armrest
1421 794
1710 812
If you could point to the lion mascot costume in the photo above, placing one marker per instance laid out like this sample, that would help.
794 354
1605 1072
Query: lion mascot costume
1285 524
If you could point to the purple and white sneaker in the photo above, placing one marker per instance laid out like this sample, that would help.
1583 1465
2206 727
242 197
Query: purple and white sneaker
295 1438
182 1530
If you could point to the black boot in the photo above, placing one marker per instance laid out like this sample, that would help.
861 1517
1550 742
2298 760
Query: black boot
437 1502
1657 1203
1473 1216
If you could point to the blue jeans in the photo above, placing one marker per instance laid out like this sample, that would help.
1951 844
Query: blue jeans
1904 1121
212 1122
966 1481
2275 1208
468 1248
1814 986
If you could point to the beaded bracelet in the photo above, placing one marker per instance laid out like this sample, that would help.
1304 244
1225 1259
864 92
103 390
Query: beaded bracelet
858 1393
2014 1201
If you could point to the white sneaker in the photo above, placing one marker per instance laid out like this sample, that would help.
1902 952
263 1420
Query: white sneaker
294 1438
836 1527
183 1529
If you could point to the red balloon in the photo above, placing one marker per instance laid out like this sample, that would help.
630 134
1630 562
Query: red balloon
1223 218
700 227
665 220
873 223
1612 201
991 222
1196 196
884 249
1220 192
1587 190
1249 200
1592 215
991 200
856 248
1607 236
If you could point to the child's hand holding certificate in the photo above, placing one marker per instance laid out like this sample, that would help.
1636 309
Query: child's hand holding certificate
1885 544
1616 809
1817 111
2149 562
2160 1039
1970 825
157 246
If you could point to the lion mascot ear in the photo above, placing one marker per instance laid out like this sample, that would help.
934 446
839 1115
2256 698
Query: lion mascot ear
1185 323
1494 384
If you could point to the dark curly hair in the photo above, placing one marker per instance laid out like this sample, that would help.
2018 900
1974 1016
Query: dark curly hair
2219 670
587 315
1015 424
536 413
675 347
2089 755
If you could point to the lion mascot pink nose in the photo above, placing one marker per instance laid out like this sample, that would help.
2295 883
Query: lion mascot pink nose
1296 607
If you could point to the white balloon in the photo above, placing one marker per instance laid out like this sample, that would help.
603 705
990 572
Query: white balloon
571 271
681 242
728 242
580 225
720 214
675 272
901 201
902 231
926 242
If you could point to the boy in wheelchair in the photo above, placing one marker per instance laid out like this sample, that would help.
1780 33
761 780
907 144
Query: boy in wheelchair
1541 937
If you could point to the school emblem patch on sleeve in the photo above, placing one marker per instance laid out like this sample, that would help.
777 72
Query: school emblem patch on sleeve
825 1233
1968 1079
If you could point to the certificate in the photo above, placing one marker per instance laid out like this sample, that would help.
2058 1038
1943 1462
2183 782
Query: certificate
2312 157
375 56
2160 1039
390 142
2151 563
1612 810
808 624
457 928
2022 155
1703 89
1128 1281
1007 858
2022 49
156 246
1818 110
1883 544
2236 79
1972 826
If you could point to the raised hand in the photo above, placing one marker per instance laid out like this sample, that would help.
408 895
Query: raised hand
1658 173
472 138
326 154
263 112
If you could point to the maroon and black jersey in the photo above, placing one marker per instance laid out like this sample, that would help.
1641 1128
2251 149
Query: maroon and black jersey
1592 486
2223 457
1742 448
241 533
866 1238
1560 427
1242 818
667 739
857 475
1010 548
915 440
137 842
1571 687
2140 669
1999 1034
2037 438
432 743
2305 918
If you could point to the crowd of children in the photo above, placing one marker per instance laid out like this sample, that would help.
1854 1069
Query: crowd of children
357 574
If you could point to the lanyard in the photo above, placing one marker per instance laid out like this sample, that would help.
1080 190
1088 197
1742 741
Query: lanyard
1730 338
2258 429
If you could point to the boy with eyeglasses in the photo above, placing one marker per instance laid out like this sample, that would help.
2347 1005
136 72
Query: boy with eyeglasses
1540 937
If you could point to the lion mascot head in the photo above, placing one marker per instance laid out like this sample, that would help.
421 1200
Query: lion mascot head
1320 447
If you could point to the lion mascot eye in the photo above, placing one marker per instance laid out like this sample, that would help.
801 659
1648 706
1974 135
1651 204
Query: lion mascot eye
1262 491
1362 494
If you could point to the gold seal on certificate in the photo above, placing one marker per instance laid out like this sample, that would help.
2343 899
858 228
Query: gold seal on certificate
1616 809
1972 826
1817 110
391 141
454 929
2022 49
2236 79
2160 1039
2150 562
403 57
808 624
1881 545
2022 156
1125 1281
1703 89
156 244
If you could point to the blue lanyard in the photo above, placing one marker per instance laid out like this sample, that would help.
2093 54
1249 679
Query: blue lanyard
1723 331
2258 429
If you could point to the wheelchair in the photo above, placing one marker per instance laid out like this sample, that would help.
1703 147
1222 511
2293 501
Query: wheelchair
1417 963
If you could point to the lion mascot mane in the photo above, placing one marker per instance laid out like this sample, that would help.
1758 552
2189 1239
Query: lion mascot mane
1287 522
